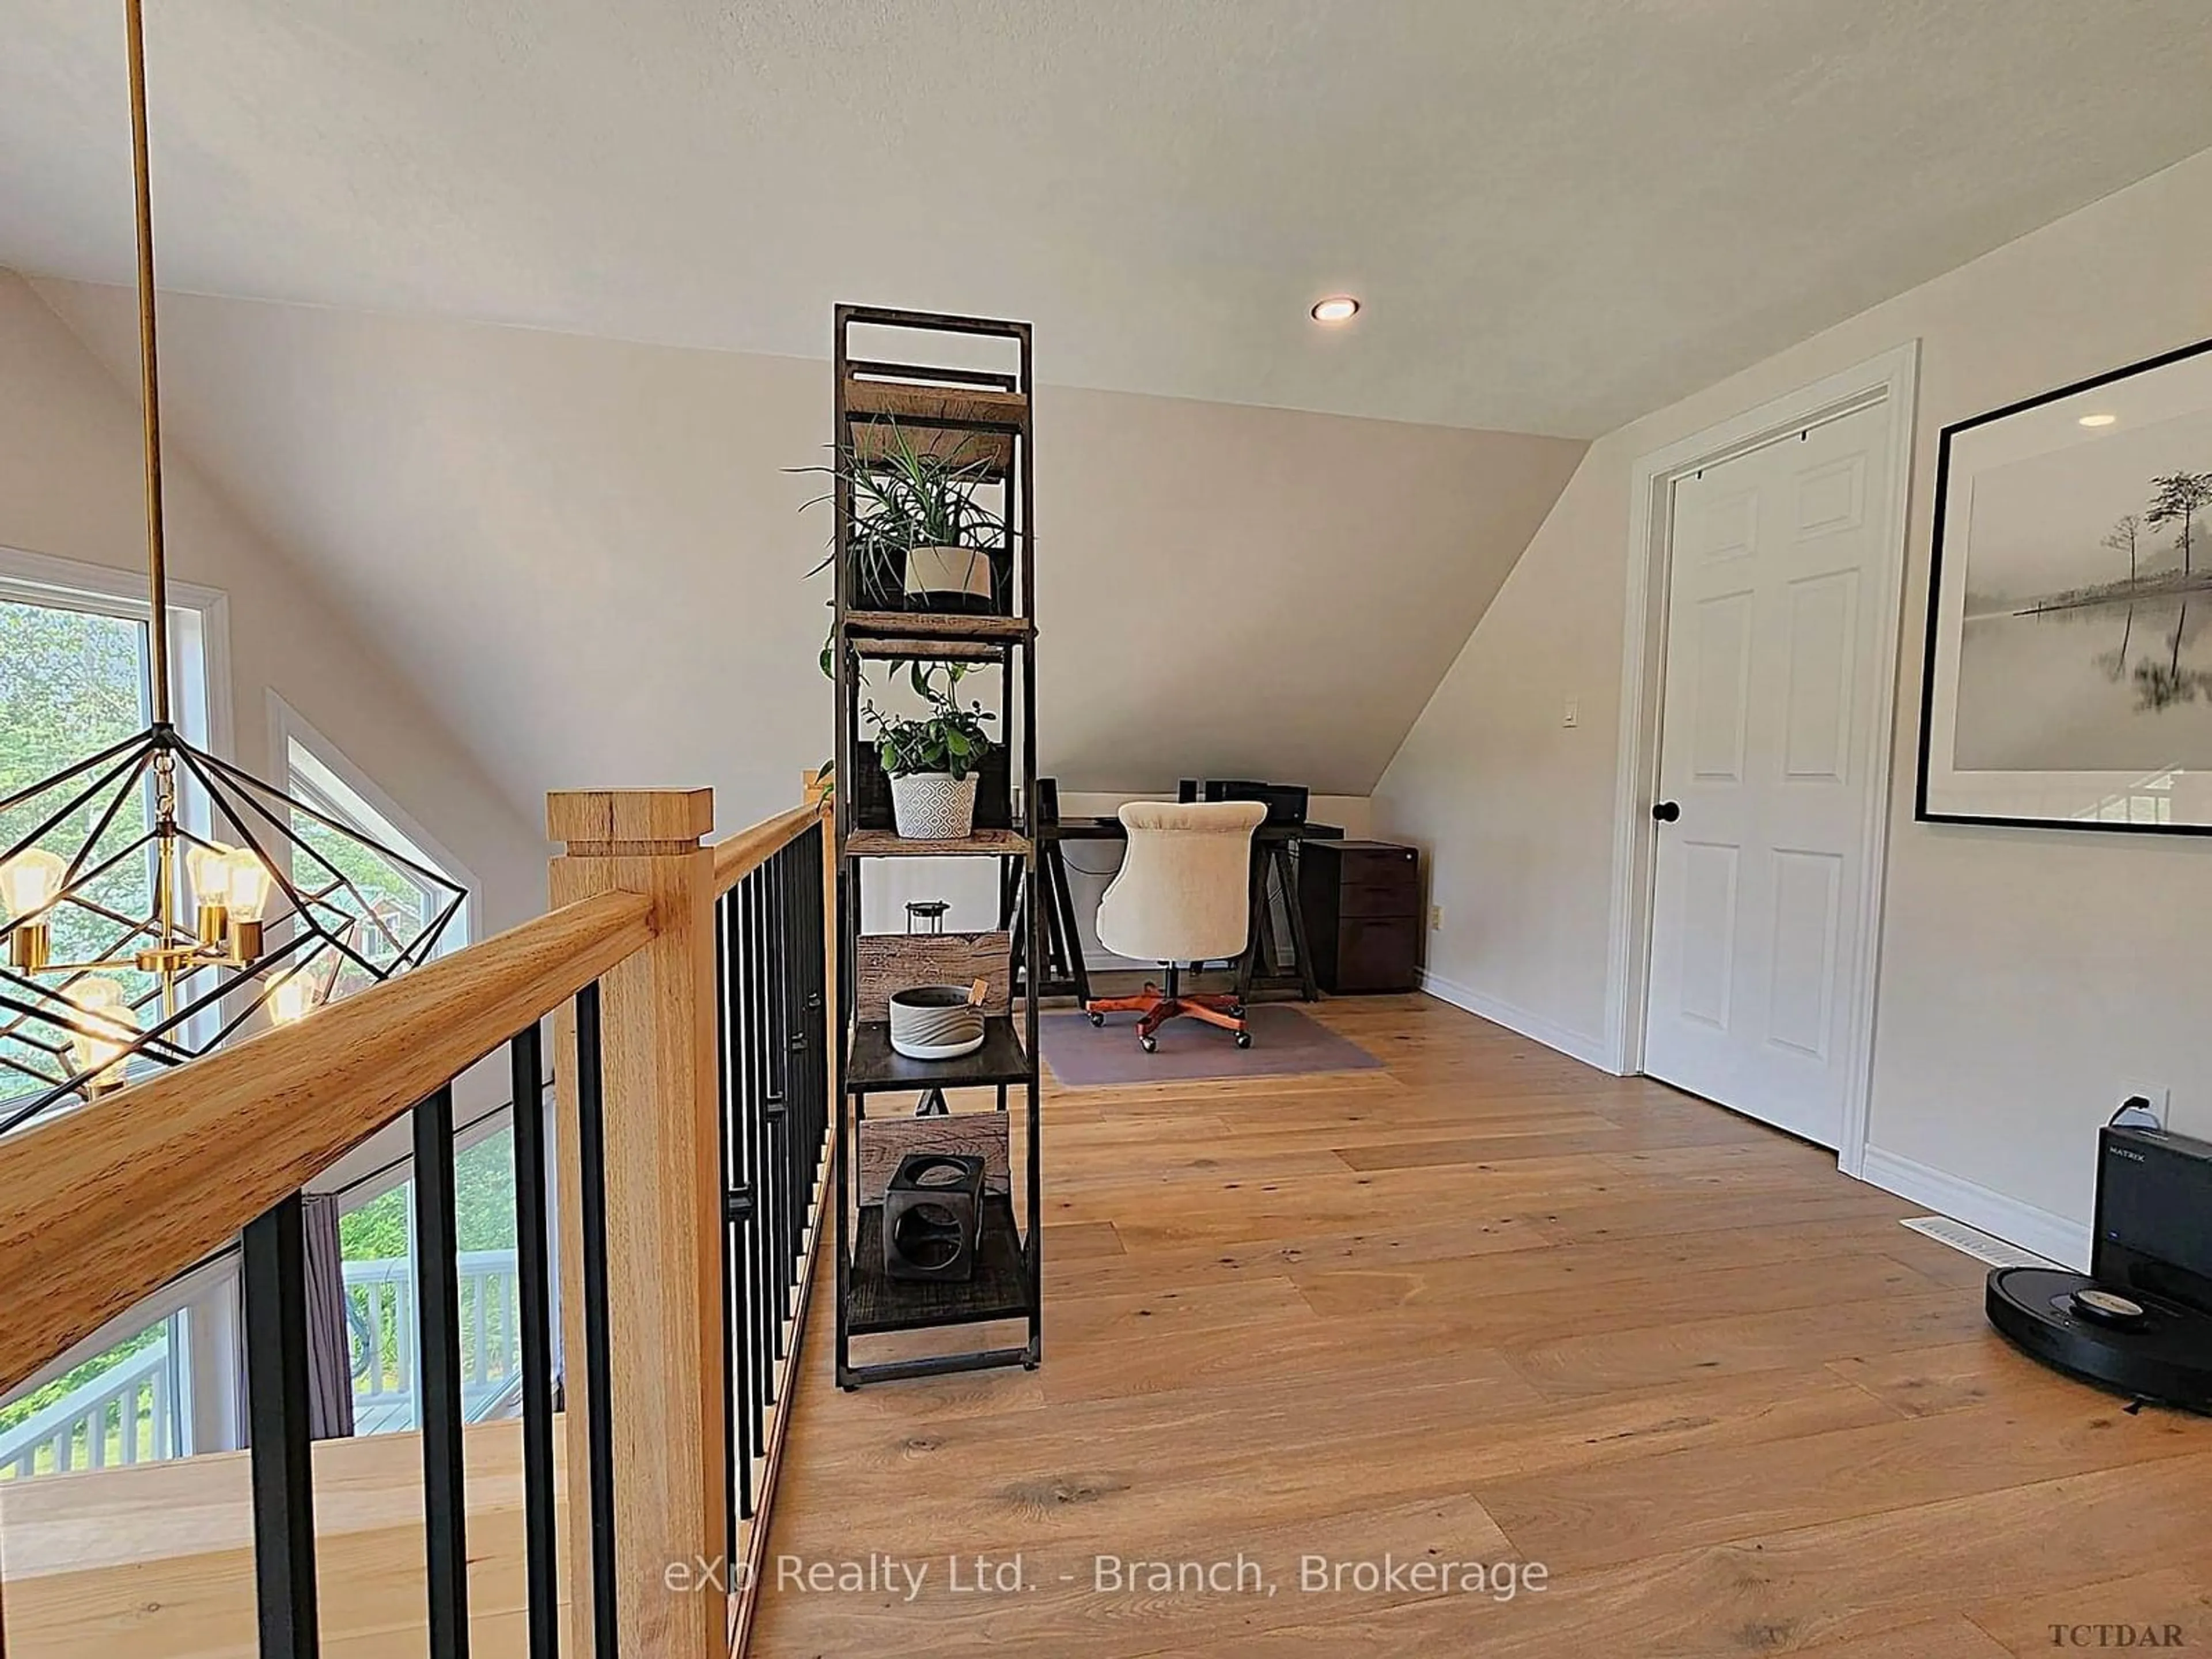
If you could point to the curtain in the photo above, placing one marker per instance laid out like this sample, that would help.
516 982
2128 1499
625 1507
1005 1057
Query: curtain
329 1358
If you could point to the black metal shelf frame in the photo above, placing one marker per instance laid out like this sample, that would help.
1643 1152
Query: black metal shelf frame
1009 1282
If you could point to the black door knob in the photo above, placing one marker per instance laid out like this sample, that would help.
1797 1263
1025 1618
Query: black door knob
1667 811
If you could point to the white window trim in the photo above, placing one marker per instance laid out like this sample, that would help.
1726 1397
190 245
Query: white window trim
211 1410
199 629
381 817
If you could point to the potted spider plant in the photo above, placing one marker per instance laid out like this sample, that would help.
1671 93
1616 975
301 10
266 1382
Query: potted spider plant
932 759
921 540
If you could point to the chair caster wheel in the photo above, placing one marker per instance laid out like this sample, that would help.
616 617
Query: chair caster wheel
1244 1039
1236 1011
1096 1018
1150 1045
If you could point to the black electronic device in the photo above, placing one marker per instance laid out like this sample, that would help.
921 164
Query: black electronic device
2141 1321
1285 802
2153 1220
2138 1345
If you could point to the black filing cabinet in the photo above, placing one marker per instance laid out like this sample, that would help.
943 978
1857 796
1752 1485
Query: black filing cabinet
1362 904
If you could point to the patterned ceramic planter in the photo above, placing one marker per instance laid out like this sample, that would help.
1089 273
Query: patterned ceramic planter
934 805
935 1021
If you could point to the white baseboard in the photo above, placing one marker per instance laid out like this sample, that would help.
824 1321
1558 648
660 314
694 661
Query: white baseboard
2047 1234
1587 1049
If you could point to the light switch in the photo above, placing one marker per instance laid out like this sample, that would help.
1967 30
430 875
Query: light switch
1572 715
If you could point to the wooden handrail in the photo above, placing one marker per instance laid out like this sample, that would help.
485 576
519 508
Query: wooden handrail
101 1207
746 851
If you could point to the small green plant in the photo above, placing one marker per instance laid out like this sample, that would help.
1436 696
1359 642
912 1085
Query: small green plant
904 498
951 737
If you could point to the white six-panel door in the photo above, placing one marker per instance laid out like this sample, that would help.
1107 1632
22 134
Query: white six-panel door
1767 748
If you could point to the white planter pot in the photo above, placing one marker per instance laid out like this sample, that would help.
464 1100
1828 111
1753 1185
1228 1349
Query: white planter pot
932 807
935 1021
948 578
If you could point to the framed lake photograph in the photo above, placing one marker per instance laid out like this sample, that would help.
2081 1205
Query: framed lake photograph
2070 622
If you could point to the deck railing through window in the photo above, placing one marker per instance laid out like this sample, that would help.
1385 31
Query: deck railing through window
127 1414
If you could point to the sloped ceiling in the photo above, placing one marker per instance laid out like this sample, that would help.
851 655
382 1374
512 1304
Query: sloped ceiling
589 554
1563 213
576 534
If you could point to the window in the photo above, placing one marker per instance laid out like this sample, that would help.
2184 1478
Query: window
376 1240
377 1223
389 904
124 1406
159 1381
75 677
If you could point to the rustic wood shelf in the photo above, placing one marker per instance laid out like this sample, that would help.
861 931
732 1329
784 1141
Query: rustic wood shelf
889 844
931 650
883 626
876 1303
958 408
875 1067
978 420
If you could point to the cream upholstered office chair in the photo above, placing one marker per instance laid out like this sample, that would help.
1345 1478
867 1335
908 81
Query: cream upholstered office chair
1184 894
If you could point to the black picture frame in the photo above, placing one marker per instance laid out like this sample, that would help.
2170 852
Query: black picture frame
1924 810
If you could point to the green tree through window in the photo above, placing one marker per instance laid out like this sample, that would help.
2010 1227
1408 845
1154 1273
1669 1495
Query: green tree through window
72 682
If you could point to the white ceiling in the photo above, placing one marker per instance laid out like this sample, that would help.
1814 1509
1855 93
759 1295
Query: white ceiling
1563 213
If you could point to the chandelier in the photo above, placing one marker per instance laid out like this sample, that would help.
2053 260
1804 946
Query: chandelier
160 900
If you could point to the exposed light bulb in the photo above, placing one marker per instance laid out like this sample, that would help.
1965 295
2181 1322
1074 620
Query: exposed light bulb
211 868
293 998
250 881
1337 309
30 880
101 1048
2098 420
94 992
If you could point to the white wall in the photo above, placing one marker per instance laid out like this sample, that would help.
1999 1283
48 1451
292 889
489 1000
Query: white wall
589 553
70 489
2025 975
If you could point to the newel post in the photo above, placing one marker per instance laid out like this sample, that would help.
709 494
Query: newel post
663 1225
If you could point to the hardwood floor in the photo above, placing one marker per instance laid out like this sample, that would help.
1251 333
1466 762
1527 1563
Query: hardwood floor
1486 1305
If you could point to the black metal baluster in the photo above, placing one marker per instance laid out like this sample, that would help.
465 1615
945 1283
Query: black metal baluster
779 1109
778 1026
818 988
806 1003
739 1198
534 1279
275 1269
800 1097
592 1161
760 1179
823 1091
437 1347
736 1471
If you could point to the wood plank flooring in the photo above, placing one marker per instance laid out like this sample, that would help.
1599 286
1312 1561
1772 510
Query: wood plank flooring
156 1561
1486 1305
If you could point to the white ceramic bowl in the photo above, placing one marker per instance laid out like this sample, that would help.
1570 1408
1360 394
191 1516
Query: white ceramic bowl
934 1022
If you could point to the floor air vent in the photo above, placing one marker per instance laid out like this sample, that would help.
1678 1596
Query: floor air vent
1979 1245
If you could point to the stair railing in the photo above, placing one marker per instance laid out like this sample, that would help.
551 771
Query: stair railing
688 989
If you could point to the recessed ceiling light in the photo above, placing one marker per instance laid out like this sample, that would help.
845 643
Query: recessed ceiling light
2099 420
1337 309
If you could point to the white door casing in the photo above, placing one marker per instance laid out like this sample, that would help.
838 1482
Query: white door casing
1773 740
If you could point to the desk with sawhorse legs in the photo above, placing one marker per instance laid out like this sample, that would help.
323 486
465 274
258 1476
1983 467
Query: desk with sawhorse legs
1273 864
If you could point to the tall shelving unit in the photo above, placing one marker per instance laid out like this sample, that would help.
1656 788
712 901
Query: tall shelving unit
980 418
